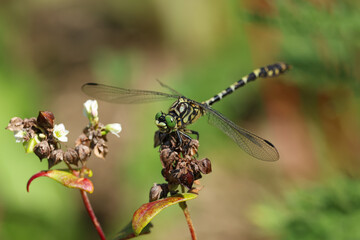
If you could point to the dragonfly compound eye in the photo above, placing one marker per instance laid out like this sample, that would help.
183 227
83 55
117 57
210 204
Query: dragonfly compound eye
170 121
158 115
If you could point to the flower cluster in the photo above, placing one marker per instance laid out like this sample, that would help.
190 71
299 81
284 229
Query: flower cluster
180 166
41 136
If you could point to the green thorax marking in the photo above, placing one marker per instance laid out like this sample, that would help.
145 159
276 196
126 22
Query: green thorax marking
185 112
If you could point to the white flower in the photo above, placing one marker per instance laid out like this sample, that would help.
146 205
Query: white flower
114 128
60 132
19 136
91 110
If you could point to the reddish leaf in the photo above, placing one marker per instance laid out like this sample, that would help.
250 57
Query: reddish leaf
127 232
148 211
65 178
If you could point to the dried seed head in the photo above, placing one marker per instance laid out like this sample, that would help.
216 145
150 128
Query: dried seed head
101 149
195 190
171 176
187 179
158 191
30 122
204 165
45 119
192 148
55 157
42 150
93 135
15 124
82 140
167 157
83 152
71 156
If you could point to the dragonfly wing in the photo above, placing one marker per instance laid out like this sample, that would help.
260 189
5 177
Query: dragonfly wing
123 95
249 142
169 88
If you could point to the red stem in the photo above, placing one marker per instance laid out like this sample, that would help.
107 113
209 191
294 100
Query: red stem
92 214
185 209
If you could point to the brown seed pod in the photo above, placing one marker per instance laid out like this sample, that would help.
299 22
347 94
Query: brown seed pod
55 157
45 119
101 149
15 124
158 191
83 152
42 150
71 156
187 179
204 165
82 140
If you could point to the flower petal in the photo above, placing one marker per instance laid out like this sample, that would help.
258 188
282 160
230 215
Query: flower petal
19 135
114 128
60 132
91 110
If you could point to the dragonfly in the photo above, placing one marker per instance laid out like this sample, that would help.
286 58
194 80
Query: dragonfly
185 111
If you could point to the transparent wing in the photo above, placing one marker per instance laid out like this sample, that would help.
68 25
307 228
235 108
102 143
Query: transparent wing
169 88
124 95
249 142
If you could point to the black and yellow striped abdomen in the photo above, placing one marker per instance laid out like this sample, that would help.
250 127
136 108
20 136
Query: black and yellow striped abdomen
263 72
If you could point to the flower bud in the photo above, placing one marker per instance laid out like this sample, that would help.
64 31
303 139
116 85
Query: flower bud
91 111
114 128
20 135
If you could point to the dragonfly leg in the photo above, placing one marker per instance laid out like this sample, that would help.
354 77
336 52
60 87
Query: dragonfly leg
188 131
179 137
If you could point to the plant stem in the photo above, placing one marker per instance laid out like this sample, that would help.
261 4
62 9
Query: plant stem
92 215
185 209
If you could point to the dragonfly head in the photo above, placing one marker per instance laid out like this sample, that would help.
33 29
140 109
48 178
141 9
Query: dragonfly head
165 122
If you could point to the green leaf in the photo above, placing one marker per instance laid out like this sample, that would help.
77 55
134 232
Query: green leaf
67 179
127 232
148 211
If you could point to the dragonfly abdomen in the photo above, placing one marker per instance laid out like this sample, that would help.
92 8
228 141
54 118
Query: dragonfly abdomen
263 72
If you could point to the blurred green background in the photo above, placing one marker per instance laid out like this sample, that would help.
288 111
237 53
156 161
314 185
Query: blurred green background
48 49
